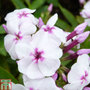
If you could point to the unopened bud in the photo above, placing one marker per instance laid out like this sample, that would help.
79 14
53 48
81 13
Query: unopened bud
78 30
50 7
41 23
5 28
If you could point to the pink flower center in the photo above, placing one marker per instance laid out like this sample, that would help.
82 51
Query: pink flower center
31 89
37 55
83 78
23 14
18 37
48 29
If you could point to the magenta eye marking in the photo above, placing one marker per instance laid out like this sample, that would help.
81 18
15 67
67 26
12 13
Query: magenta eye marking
37 55
18 37
83 78
23 14
48 29
31 89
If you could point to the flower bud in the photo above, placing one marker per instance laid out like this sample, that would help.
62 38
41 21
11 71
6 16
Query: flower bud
5 28
50 7
41 23
55 76
78 30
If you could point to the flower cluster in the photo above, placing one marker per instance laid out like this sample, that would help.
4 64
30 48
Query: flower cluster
38 48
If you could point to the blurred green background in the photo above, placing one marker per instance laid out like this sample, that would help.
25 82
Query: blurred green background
69 18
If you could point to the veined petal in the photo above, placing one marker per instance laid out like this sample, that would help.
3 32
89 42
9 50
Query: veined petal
52 20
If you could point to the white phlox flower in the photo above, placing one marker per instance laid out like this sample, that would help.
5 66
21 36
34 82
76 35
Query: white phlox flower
79 75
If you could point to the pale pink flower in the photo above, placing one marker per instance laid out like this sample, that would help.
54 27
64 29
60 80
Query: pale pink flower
53 33
11 41
40 58
21 20
79 75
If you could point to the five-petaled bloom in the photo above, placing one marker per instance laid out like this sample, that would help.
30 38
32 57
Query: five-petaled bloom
40 58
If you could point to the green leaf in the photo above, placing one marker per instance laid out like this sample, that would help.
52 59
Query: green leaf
6 75
62 24
69 16
86 44
54 2
2 31
80 19
37 3
41 11
18 4
2 48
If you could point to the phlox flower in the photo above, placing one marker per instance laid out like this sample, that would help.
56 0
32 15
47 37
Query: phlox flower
11 41
40 58
54 33
21 20
79 75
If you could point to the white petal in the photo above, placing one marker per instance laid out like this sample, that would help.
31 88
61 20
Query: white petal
13 27
17 87
27 28
26 39
75 86
84 60
8 41
12 52
23 64
33 71
27 10
11 16
22 50
53 52
52 20
88 21
87 5
42 84
60 35
76 72
10 45
49 66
